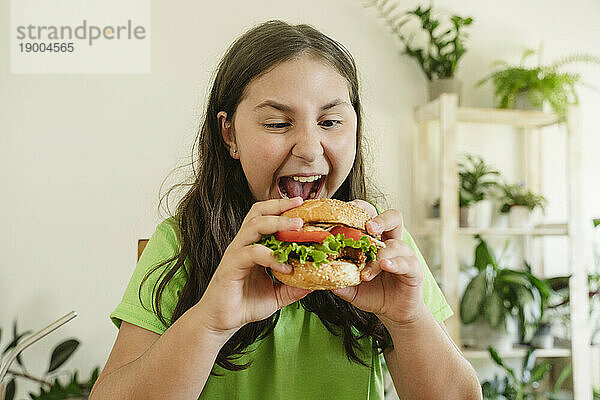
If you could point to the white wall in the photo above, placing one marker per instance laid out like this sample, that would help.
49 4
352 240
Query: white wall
82 156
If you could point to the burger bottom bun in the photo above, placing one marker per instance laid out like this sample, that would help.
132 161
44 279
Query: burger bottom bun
332 275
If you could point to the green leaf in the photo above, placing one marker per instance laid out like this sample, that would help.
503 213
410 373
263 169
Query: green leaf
500 362
473 298
558 283
11 388
514 277
596 221
564 374
528 364
94 377
61 353
13 344
539 371
494 310
482 256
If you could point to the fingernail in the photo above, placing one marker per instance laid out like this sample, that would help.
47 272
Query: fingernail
297 222
286 267
374 226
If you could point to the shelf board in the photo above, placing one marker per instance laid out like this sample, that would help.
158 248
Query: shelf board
432 228
519 118
517 352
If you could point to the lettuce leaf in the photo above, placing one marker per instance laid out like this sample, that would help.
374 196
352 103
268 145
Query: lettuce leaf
317 252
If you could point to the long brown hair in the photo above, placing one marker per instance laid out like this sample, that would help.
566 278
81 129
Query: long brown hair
211 212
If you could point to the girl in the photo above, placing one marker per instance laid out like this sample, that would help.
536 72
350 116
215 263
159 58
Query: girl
285 102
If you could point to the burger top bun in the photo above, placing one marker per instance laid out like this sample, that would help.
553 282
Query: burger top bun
330 211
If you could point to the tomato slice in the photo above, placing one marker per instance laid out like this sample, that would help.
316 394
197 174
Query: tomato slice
349 233
302 236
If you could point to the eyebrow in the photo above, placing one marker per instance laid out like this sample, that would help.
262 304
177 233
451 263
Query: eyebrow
283 107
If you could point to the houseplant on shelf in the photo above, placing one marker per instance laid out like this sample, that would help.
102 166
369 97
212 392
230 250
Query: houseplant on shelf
527 384
444 47
515 386
464 201
496 297
529 87
478 181
519 202
558 306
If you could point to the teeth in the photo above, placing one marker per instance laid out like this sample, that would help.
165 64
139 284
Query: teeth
306 178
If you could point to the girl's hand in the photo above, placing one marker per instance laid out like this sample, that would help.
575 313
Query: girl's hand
241 291
392 286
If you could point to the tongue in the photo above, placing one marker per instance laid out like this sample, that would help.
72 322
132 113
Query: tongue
295 188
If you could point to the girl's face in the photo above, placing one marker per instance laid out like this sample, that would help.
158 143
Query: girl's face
295 123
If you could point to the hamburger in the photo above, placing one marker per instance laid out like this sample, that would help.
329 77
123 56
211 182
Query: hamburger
330 250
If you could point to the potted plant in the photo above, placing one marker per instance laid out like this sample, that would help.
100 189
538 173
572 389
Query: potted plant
464 201
443 50
519 202
477 183
476 187
527 384
558 309
497 296
512 386
529 87
50 388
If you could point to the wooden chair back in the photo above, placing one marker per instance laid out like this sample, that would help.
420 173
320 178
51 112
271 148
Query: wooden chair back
141 246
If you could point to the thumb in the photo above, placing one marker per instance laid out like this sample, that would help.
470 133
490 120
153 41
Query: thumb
347 293
288 294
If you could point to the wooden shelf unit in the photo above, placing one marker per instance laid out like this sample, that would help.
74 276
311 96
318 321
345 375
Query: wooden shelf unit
517 352
448 115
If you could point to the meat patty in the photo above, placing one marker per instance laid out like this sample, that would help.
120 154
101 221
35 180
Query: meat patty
357 256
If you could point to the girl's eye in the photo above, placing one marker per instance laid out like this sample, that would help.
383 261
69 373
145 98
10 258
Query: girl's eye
330 123
277 125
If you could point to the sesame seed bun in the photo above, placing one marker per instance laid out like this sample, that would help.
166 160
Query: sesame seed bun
330 211
332 275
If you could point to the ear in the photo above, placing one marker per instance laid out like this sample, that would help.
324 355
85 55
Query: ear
227 133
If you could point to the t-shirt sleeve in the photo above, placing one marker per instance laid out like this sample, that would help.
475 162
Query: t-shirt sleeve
162 246
432 294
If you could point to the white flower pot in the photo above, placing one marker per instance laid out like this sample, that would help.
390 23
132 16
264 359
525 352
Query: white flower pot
522 102
480 214
500 339
519 217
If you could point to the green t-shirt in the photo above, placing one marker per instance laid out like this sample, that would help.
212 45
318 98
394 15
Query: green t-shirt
301 359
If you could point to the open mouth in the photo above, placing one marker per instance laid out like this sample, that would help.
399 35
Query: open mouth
288 188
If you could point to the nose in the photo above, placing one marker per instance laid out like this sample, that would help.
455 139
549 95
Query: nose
307 144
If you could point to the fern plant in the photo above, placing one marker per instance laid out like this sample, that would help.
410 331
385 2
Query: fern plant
539 84
477 179
440 56
518 195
